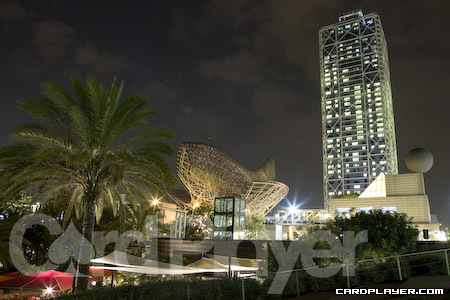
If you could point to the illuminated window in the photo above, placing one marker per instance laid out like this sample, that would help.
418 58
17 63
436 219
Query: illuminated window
346 209
389 209
366 209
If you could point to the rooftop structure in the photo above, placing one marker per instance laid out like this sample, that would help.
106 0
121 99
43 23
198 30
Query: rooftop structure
207 173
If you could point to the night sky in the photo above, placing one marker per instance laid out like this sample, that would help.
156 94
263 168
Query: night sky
240 75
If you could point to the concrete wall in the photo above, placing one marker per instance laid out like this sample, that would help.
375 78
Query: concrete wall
405 184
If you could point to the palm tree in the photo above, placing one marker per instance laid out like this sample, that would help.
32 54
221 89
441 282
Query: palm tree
139 218
136 218
92 145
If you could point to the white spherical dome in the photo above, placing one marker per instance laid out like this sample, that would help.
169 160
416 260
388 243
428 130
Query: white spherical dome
419 160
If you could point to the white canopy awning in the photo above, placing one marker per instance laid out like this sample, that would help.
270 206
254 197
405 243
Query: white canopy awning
122 262
209 265
237 264
216 266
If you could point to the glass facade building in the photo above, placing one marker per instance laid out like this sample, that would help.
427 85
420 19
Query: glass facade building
229 218
358 131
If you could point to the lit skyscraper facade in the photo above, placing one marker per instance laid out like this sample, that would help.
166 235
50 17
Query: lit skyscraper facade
358 131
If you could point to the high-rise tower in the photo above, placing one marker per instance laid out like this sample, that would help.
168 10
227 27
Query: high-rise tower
358 131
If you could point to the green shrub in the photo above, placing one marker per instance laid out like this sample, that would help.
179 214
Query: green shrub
383 272
326 284
371 274
217 289
428 265
290 289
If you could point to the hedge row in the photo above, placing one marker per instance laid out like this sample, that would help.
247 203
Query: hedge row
217 289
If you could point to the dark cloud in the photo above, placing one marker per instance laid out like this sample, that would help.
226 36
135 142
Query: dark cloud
240 68
271 100
179 28
91 57
52 39
273 29
12 11
159 95
22 64
55 48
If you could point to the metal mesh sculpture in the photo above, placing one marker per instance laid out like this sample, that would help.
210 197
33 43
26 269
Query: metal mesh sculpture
206 173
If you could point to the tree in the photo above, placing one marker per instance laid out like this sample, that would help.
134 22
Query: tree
255 228
200 221
6 226
139 218
18 205
347 196
90 144
388 233
10 213
198 227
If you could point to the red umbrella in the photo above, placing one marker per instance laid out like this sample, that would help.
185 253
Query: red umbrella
50 280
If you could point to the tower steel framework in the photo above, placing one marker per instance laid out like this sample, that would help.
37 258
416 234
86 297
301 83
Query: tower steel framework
358 131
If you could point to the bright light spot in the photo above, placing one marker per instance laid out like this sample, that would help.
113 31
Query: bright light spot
441 236
155 201
196 205
94 282
49 291
293 209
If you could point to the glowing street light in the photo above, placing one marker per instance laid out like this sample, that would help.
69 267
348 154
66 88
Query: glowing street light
293 210
48 291
196 204
155 201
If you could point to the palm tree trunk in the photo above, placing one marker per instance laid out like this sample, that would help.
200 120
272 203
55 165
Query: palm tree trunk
87 232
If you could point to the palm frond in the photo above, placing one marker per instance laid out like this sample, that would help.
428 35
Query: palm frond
58 96
75 197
